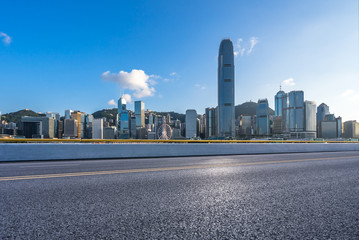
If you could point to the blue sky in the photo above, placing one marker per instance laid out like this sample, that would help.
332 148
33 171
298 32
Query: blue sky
70 54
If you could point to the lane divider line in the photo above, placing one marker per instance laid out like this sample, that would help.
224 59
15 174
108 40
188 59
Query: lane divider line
77 174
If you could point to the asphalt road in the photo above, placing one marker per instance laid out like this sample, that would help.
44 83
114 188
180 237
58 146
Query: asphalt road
277 196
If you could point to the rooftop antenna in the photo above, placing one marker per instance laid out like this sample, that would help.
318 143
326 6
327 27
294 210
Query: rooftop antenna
280 87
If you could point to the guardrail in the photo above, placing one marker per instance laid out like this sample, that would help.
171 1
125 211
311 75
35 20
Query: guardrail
35 140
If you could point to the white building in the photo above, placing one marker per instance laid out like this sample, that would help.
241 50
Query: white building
97 128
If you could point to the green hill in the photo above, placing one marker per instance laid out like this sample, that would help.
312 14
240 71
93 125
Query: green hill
107 113
16 116
248 108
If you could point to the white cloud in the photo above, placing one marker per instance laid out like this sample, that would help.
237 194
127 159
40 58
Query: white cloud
112 102
350 94
238 49
173 73
253 41
127 98
202 87
136 80
288 82
241 46
6 38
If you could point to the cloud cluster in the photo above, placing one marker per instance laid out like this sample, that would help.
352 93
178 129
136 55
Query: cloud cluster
202 87
288 82
136 80
112 102
5 38
350 94
241 47
127 98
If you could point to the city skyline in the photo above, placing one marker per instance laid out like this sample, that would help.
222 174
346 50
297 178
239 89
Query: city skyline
85 71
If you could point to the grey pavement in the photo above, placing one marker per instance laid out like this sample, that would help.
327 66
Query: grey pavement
283 200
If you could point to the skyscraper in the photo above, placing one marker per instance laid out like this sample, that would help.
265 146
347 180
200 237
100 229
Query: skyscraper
262 113
97 128
226 89
279 103
310 123
211 122
191 123
121 105
140 114
322 110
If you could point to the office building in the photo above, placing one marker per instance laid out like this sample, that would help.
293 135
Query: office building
80 117
330 128
351 129
226 114
322 111
278 99
191 124
97 128
310 123
121 105
88 128
38 127
211 122
293 114
245 126
109 132
140 114
277 125
68 114
70 128
133 127
262 118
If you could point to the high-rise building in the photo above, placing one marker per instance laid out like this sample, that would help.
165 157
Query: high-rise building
77 115
310 123
38 127
351 129
262 113
191 123
293 112
97 128
70 128
245 125
322 111
68 114
330 128
109 132
133 127
211 122
140 114
226 115
121 104
279 103
123 123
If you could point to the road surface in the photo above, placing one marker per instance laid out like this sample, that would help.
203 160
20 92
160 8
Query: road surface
274 196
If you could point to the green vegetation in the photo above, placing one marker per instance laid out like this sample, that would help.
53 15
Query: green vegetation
16 116
249 109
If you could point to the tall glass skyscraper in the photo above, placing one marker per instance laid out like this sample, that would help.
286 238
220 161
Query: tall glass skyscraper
279 103
226 89
293 112
262 113
322 110
140 114
121 104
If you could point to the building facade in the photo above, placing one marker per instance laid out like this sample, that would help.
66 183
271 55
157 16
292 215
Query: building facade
191 123
262 113
226 113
